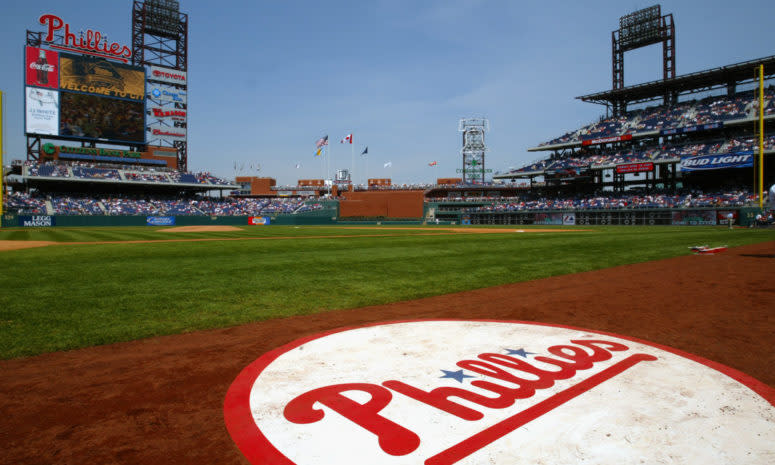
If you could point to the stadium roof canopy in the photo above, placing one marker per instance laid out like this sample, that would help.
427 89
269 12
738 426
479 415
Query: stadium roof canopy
701 81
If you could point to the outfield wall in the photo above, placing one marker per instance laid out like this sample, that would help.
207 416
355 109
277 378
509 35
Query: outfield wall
384 204
41 221
634 217
690 217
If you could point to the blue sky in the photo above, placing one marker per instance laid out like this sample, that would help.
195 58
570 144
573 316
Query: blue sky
267 79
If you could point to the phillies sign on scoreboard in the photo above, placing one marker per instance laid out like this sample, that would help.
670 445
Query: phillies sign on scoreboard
77 40
468 392
168 75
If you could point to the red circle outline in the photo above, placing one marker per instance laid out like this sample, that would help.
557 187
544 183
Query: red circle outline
257 448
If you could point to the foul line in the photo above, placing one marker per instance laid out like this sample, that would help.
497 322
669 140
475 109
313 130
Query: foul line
483 438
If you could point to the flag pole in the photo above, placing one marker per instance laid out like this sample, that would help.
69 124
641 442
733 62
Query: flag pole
761 137
352 156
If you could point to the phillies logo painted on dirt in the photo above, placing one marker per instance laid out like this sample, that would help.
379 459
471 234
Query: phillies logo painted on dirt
475 392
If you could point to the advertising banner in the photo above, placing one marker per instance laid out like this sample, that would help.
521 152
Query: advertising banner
163 151
37 221
42 111
569 219
548 218
162 93
51 149
722 216
606 140
171 76
165 133
258 220
694 218
167 114
686 129
86 116
95 75
160 221
42 68
635 168
717 162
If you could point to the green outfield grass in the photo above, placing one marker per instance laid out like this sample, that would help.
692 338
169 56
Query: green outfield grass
77 295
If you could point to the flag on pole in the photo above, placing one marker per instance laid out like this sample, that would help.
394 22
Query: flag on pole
388 164
322 141
298 165
320 151
433 163
365 151
347 139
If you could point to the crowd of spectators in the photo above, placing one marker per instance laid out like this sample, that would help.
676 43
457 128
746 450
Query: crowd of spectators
690 113
735 198
665 152
83 170
71 204
23 203
145 176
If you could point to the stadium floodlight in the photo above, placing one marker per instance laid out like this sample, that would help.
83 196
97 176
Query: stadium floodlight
162 16
640 28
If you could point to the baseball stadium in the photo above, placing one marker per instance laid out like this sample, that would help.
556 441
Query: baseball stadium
609 302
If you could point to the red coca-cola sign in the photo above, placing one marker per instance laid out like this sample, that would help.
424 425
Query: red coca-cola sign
90 42
42 68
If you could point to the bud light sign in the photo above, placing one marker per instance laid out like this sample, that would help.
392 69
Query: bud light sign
717 162
258 221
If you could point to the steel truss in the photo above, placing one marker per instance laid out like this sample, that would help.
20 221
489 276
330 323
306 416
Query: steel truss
160 38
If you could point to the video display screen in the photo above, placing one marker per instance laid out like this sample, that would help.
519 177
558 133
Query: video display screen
99 76
83 116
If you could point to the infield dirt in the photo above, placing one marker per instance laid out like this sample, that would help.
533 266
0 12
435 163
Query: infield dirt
16 245
160 400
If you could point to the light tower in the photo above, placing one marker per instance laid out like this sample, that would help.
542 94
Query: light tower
640 29
473 150
160 43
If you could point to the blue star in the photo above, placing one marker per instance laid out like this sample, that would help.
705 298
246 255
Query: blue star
520 352
458 375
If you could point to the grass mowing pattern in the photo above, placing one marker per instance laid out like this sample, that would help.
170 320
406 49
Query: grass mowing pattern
69 296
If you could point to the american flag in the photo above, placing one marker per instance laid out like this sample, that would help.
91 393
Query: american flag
322 141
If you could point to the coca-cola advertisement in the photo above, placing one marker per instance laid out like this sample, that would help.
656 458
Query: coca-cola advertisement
42 68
